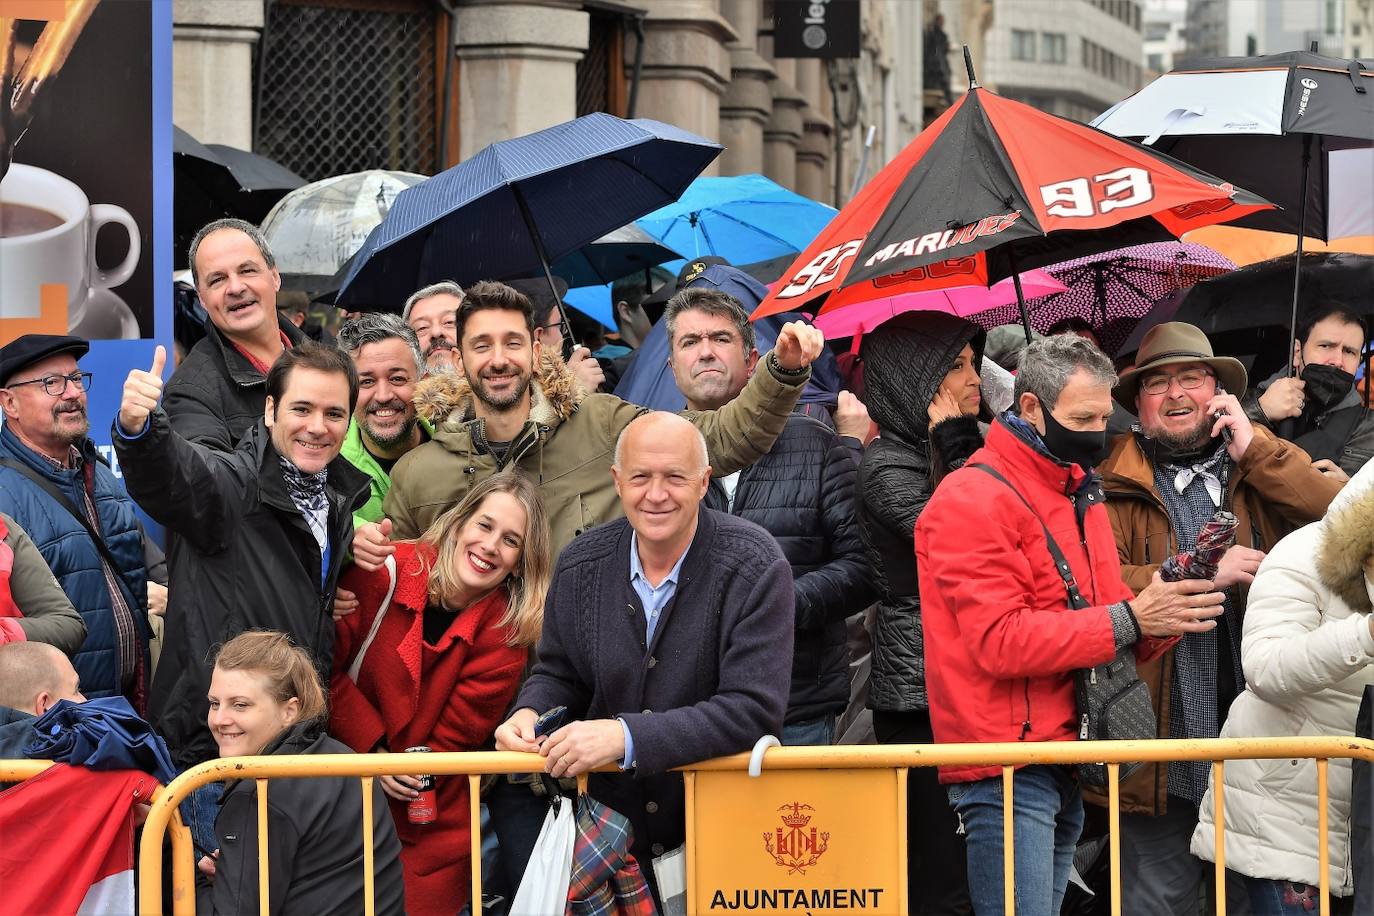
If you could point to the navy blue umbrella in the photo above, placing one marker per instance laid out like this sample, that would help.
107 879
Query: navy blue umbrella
649 382
520 205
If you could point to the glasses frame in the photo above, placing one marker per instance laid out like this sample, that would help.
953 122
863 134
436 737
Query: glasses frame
82 381
1170 379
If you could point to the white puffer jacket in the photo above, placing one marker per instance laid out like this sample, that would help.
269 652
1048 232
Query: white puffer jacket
1308 654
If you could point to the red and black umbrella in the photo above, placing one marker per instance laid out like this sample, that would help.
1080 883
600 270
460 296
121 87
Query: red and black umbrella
994 187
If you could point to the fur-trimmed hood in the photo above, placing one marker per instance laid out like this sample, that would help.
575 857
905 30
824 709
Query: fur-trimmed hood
1345 558
554 395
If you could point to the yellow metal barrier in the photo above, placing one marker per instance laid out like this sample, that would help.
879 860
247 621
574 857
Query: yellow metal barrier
895 757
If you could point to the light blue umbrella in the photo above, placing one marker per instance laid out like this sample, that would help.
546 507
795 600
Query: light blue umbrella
744 218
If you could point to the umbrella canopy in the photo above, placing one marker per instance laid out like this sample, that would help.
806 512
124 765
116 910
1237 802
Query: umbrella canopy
1251 119
743 218
215 181
963 301
522 204
1247 246
616 254
993 187
649 382
103 734
1114 289
1258 295
315 229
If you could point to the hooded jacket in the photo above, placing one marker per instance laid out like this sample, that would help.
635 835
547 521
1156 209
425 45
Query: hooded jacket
244 558
1272 491
215 395
357 454
905 361
1347 419
1001 641
1308 655
74 558
566 446
802 493
314 841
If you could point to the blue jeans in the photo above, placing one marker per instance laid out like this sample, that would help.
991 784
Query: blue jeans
1287 898
1047 819
813 733
202 806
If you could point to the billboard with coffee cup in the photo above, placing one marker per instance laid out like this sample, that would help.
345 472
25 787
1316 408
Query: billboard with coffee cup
77 196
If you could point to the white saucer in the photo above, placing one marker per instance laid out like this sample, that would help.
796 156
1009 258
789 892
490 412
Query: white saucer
105 316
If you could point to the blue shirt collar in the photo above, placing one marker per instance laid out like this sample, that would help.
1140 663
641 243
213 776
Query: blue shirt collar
637 570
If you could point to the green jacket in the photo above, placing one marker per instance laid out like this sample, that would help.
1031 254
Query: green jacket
358 456
566 446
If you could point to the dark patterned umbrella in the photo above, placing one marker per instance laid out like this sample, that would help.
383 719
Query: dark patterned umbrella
1113 290
1215 538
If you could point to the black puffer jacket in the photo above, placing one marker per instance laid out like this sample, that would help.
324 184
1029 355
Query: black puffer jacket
216 395
905 361
802 493
314 841
244 558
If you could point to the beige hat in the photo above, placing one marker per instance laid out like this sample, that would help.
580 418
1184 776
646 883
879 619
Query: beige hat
1175 342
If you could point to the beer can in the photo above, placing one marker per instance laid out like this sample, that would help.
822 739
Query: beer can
425 808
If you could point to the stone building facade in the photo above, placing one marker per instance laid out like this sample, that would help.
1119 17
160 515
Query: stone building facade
329 86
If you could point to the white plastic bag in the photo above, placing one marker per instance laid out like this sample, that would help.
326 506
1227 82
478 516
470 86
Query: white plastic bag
544 887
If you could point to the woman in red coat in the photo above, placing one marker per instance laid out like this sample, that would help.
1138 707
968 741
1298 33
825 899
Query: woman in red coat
443 662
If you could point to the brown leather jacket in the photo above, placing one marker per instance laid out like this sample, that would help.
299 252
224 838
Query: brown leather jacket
1275 490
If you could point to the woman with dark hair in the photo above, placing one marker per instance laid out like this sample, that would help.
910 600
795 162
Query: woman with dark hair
434 656
921 370
266 698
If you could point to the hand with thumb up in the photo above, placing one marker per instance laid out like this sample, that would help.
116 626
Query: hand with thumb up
372 544
142 391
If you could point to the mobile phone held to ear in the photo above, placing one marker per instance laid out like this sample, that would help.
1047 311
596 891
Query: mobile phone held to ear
550 722
1225 430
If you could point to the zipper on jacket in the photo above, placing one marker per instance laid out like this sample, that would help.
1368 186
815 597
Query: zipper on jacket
1026 725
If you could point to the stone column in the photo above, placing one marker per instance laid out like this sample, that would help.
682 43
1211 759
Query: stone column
686 66
517 68
212 59
783 132
816 146
748 101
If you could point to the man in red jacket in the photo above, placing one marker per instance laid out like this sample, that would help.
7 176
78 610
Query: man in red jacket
1001 642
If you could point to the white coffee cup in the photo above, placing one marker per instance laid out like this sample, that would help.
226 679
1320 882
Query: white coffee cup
63 254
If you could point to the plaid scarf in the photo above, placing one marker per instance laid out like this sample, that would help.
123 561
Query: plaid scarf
1193 690
307 492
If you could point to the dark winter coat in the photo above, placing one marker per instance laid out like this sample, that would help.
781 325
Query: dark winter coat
712 682
314 841
243 559
905 362
74 558
1344 433
216 396
802 493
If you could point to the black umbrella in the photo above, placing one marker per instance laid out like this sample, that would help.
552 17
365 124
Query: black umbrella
616 254
215 181
1266 123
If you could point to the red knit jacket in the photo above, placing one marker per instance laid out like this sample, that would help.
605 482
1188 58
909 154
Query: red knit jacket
450 697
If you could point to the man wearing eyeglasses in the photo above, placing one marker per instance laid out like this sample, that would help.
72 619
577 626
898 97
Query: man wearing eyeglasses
58 488
1193 453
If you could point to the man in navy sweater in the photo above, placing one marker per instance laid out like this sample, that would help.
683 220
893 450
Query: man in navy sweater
702 599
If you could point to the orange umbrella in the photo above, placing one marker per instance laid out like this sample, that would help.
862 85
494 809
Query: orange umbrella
1248 246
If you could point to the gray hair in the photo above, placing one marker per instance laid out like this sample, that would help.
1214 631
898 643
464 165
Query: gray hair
712 302
434 289
702 452
375 327
1048 363
254 235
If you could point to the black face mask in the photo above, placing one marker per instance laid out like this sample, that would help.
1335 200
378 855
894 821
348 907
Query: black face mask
1324 386
1080 447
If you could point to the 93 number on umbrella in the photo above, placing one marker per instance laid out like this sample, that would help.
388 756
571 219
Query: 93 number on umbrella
1125 187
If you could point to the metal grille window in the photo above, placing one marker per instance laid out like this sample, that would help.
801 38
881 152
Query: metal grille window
348 86
601 71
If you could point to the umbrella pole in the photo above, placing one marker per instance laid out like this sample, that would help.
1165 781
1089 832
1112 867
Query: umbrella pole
1297 262
568 342
1016 282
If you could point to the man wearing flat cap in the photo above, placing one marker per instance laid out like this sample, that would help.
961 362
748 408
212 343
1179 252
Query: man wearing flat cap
59 489
1192 454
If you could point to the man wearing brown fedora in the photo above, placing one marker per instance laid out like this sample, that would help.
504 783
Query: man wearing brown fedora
1193 453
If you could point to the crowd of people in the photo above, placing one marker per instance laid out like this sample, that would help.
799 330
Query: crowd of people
442 528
